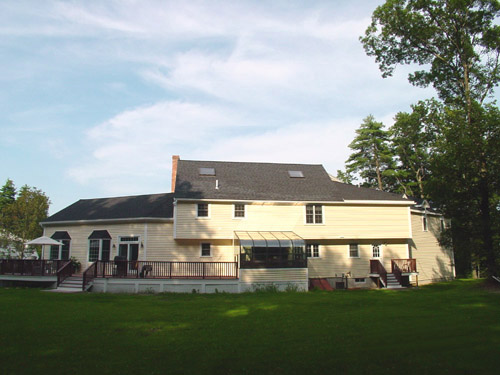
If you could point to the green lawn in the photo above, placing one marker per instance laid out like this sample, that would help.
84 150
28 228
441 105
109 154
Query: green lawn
450 328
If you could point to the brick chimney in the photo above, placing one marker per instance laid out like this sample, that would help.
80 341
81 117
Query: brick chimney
175 159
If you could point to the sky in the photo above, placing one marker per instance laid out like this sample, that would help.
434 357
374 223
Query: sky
96 96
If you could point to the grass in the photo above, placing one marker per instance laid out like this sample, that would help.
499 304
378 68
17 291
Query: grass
448 328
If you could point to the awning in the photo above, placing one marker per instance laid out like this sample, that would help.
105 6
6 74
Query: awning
61 235
100 235
269 239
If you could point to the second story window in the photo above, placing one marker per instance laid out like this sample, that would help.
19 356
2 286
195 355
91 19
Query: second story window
239 210
424 223
314 214
202 210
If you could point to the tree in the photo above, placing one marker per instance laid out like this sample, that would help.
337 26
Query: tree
372 158
7 194
458 44
412 138
21 218
456 159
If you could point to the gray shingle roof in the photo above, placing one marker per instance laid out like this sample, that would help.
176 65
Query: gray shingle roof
236 181
138 206
266 181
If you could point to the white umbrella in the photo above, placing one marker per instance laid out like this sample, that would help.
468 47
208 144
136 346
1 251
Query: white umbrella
44 240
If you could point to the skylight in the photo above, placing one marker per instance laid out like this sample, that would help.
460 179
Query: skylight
207 171
296 174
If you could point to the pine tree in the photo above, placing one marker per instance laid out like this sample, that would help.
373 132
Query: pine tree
372 159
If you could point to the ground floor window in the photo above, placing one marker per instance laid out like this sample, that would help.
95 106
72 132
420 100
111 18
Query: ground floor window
99 245
206 250
60 251
359 280
353 250
99 249
376 253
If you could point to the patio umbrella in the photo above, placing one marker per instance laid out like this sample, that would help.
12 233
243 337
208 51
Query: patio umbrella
44 240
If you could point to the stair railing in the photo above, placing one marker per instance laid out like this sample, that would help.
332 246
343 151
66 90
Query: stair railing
64 272
89 275
378 268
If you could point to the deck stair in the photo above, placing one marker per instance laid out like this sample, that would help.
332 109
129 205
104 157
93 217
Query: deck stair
72 284
392 282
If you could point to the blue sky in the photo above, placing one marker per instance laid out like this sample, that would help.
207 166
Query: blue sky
96 96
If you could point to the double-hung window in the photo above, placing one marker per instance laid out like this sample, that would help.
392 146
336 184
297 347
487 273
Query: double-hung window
206 249
202 210
57 251
99 245
314 214
312 250
239 210
424 223
353 250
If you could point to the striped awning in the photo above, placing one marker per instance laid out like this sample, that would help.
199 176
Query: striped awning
269 239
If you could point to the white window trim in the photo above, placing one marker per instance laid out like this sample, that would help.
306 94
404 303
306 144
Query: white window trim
244 211
379 249
59 252
425 228
208 211
201 250
99 256
360 282
349 251
120 242
323 218
312 250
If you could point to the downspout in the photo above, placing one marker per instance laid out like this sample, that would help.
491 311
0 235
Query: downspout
145 242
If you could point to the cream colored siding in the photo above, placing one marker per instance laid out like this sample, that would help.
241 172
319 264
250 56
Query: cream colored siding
339 221
334 258
79 238
434 263
262 275
159 244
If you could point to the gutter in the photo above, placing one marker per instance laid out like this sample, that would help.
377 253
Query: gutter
102 221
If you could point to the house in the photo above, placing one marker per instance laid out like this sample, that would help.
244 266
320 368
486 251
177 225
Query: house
237 226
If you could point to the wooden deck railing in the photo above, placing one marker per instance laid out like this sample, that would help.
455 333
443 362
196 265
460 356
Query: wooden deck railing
400 266
166 270
25 267
378 268
88 275
64 272
404 265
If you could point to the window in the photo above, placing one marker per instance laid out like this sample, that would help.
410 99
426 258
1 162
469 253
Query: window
60 252
207 171
99 245
312 250
314 214
443 225
424 223
202 210
353 250
239 210
359 280
206 250
296 174
376 251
